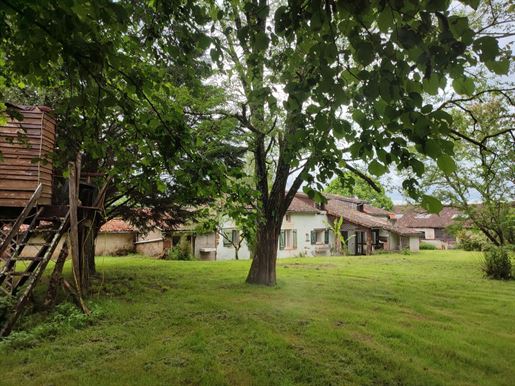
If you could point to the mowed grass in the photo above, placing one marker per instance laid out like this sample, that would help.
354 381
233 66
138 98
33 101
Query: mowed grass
427 319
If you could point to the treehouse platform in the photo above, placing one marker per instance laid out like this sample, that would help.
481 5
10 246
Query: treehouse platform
26 143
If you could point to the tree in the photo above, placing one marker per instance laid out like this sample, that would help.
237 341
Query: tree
320 85
348 185
121 78
485 173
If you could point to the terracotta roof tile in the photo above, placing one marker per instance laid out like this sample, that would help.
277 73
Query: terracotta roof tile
416 217
302 204
117 225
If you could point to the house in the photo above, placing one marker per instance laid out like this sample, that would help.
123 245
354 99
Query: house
306 230
116 237
433 226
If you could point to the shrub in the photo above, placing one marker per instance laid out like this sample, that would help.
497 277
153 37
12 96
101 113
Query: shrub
6 304
472 241
427 246
181 251
497 263
65 318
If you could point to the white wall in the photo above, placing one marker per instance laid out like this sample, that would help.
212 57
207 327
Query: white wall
107 244
205 246
227 252
303 223
429 233
414 243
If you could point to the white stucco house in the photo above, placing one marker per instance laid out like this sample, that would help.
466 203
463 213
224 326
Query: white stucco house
306 230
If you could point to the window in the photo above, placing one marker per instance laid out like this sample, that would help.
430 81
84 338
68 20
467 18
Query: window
307 237
287 218
288 239
230 237
375 237
320 236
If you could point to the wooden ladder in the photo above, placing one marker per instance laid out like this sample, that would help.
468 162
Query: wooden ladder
20 274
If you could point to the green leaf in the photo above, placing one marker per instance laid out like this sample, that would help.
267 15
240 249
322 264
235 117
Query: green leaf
500 67
203 42
446 164
385 19
488 46
376 168
340 128
432 148
472 3
431 85
464 86
215 54
365 53
417 166
261 41
431 204
458 26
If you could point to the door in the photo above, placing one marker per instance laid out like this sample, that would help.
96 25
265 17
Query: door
360 243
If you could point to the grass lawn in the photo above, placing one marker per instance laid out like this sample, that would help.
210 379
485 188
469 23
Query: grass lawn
427 318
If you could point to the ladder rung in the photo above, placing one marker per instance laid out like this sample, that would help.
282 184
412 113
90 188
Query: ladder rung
27 258
43 230
27 274
35 244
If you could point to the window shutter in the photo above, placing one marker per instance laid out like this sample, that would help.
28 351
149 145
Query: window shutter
326 237
227 241
313 237
234 237
294 237
281 240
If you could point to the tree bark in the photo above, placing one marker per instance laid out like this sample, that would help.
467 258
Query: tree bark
56 278
262 271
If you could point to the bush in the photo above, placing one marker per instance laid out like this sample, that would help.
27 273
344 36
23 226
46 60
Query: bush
182 251
6 304
472 241
65 318
497 263
427 247
406 251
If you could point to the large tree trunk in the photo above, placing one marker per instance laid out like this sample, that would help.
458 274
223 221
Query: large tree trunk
262 270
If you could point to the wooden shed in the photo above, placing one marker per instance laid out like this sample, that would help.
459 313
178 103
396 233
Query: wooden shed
25 146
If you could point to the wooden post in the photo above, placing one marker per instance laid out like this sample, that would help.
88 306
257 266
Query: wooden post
73 197
80 271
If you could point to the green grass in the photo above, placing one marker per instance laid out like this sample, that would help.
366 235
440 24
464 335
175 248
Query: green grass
428 318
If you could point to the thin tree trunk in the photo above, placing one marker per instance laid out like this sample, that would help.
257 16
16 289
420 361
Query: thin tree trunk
262 270
56 278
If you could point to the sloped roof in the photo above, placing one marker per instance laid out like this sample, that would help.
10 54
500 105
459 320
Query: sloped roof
43 108
372 210
117 225
416 217
301 203
337 209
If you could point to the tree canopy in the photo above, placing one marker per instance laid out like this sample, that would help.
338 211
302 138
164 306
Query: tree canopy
172 93
318 86
483 185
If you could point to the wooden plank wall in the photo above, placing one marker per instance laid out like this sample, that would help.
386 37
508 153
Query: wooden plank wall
25 146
